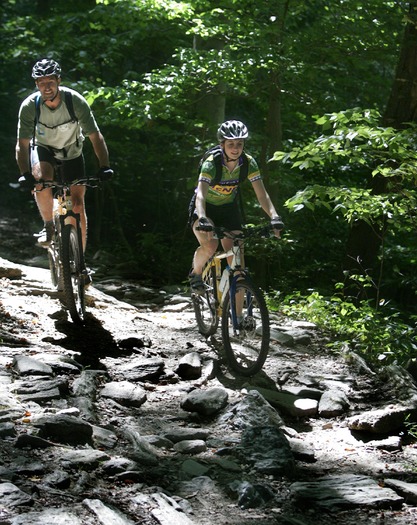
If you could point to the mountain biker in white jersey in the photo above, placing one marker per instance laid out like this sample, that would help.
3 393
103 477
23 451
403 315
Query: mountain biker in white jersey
50 135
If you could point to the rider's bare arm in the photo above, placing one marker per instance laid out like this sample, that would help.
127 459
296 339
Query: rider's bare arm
22 155
100 148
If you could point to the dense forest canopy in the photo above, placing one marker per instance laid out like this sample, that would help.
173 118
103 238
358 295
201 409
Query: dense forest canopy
315 81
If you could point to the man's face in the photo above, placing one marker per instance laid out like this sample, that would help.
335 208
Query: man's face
48 86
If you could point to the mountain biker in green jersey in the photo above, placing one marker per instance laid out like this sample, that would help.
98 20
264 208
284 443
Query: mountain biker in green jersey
48 133
218 205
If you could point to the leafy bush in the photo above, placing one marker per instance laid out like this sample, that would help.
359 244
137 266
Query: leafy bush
378 334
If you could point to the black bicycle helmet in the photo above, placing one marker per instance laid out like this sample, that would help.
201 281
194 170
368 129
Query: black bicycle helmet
46 68
232 129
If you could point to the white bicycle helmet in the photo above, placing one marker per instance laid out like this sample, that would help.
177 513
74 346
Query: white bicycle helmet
46 68
231 130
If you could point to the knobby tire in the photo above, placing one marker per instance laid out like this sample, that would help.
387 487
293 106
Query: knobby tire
73 278
205 305
54 258
247 347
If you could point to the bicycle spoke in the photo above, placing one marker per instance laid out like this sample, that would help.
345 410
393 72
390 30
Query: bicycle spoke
246 340
72 264
205 305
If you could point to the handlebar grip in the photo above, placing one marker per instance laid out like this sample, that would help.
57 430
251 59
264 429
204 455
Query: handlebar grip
277 224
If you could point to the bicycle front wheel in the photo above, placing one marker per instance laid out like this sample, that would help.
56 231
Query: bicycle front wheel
72 267
205 305
245 328
54 258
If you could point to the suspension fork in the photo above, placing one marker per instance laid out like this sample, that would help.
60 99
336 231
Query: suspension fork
232 294
66 219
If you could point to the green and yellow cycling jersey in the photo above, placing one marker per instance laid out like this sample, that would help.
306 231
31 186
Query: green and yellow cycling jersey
225 191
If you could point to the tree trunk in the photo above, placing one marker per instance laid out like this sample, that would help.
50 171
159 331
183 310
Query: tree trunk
212 105
402 103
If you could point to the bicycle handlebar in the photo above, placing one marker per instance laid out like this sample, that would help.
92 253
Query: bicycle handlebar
220 232
91 182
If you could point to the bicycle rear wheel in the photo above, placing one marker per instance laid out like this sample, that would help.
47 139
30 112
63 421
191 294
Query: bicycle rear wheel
245 338
205 305
73 277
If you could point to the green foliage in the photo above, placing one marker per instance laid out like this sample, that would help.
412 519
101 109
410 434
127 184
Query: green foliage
149 67
411 426
354 144
378 334
355 138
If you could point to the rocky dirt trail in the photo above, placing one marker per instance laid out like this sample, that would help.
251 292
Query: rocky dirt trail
135 419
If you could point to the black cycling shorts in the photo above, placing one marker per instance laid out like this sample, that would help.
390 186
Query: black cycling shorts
226 215
73 169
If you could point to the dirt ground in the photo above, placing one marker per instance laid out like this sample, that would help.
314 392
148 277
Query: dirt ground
33 322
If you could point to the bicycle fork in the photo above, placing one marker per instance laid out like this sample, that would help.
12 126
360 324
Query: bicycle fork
231 285
71 217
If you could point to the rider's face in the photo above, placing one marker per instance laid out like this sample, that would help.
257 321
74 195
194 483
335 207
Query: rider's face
233 148
48 86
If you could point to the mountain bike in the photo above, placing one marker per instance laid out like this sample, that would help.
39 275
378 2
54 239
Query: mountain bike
69 273
232 296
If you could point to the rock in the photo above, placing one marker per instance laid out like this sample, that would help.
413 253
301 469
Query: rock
198 485
302 391
180 434
345 491
402 384
190 446
268 450
87 459
7 430
142 452
31 441
9 270
60 364
407 490
206 402
159 441
86 384
25 366
58 479
390 443
192 469
104 438
49 516
168 512
290 404
227 464
252 411
11 496
125 393
381 421
117 465
105 514
250 496
301 451
189 366
143 369
40 390
132 343
282 337
64 429
333 403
